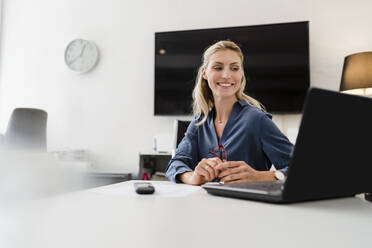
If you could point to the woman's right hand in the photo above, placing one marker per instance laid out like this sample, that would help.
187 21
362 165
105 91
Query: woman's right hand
204 172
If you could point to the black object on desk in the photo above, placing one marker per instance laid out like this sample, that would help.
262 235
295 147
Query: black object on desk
144 188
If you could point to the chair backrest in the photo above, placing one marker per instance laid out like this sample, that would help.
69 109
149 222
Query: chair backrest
179 130
27 129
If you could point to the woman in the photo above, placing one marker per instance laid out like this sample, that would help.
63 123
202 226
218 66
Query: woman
232 139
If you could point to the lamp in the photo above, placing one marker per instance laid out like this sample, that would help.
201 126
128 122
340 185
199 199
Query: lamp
357 74
357 79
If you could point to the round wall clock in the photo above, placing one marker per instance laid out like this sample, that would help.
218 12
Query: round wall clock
81 55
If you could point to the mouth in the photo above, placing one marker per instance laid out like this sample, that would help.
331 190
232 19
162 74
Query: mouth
225 84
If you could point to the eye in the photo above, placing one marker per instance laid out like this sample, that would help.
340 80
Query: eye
217 68
235 68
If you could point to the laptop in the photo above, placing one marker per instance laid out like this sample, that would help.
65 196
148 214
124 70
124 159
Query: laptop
332 156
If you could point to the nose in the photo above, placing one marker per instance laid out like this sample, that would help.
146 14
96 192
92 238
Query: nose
226 73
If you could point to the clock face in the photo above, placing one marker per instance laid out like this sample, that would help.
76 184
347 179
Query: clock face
81 55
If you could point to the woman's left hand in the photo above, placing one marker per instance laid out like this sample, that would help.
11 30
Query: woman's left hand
240 171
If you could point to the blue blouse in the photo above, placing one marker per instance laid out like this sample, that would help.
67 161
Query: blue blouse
249 135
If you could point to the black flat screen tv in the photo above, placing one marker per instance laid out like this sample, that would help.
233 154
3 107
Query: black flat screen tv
276 64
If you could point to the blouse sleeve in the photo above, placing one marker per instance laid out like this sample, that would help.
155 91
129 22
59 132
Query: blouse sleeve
186 155
275 144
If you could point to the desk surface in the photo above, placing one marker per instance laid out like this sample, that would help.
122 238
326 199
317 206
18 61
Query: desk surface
113 216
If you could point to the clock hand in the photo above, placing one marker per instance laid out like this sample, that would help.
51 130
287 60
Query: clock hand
80 54
74 59
82 50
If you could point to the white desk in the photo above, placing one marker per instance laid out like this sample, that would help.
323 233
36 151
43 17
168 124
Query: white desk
102 217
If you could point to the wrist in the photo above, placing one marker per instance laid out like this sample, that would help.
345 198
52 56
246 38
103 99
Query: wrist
184 176
268 176
188 178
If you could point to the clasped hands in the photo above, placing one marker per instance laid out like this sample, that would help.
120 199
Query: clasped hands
227 171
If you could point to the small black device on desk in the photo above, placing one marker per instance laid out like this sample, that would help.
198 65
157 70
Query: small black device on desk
144 188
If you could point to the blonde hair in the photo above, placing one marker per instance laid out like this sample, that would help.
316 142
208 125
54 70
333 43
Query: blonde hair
202 94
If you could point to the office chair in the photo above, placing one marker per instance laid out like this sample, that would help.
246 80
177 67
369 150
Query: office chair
179 130
26 129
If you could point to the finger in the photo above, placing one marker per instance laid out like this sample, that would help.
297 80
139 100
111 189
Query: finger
211 163
217 160
211 172
204 169
218 166
239 181
230 171
226 165
231 177
244 178
201 172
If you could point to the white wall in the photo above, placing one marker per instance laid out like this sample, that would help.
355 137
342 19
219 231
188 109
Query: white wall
109 111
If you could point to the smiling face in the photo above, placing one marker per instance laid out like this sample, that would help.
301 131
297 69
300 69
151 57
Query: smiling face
224 73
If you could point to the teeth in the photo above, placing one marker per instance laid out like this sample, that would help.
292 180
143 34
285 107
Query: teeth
225 85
